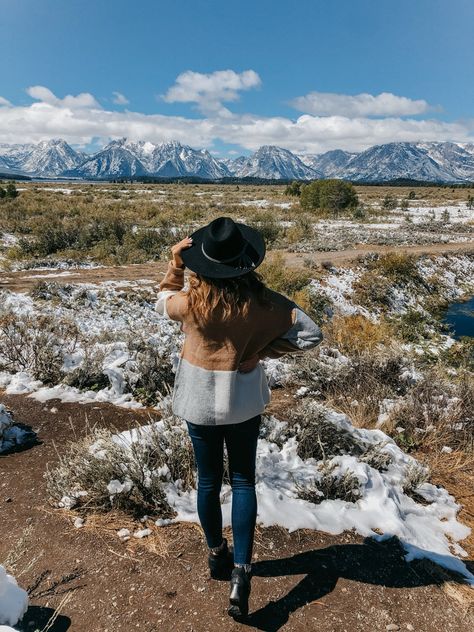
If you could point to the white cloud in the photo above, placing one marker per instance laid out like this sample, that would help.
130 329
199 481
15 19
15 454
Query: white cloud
210 91
79 120
364 104
313 134
4 102
44 95
120 99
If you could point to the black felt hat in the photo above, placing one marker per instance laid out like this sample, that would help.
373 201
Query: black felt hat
223 249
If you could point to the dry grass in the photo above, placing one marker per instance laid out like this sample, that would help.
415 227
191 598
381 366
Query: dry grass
317 436
133 223
436 412
355 387
330 486
36 344
355 334
278 276
372 290
320 438
140 468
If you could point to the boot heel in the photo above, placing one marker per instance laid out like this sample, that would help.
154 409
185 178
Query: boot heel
239 593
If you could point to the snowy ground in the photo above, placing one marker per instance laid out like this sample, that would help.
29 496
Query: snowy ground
109 318
383 509
12 436
455 273
13 601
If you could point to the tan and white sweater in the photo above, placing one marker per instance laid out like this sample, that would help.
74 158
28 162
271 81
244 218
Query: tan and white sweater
209 389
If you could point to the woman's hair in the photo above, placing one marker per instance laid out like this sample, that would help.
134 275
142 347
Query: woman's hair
224 299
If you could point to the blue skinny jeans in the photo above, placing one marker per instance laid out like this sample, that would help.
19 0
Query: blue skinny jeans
241 443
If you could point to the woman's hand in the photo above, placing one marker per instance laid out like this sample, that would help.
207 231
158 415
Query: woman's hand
248 365
178 248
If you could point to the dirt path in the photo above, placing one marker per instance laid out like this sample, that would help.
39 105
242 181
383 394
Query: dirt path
25 280
343 257
304 580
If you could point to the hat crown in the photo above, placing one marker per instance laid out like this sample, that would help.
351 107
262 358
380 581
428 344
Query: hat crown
223 240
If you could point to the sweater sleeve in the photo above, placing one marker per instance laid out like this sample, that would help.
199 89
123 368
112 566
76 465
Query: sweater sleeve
172 284
303 335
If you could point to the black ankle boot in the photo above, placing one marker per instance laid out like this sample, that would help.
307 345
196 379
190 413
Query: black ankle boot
221 564
239 592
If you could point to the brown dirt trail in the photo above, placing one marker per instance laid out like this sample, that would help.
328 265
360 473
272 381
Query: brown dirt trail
304 580
25 280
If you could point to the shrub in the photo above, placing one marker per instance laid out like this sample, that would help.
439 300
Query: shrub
314 303
301 230
359 212
50 238
281 278
37 345
389 203
372 290
89 375
353 385
415 475
155 373
397 267
47 290
337 195
460 354
330 485
293 189
102 471
436 411
268 225
11 191
412 326
378 459
356 334
331 195
318 437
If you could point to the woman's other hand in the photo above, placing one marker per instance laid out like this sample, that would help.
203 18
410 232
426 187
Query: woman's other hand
248 365
178 248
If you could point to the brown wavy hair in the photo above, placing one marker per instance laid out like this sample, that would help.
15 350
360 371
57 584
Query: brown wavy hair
224 299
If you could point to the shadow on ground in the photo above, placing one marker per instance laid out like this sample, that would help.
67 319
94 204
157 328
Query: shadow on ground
39 618
379 563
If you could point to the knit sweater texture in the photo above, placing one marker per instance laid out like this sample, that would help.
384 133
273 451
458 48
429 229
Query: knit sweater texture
209 389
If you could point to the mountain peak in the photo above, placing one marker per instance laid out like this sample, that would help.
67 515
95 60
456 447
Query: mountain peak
437 161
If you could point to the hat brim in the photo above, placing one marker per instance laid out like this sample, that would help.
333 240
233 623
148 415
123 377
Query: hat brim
194 258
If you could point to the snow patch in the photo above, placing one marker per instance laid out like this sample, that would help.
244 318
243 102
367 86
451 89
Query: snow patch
13 600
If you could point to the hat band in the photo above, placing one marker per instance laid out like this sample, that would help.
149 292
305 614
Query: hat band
224 260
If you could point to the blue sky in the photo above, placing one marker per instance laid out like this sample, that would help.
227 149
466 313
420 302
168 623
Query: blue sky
230 76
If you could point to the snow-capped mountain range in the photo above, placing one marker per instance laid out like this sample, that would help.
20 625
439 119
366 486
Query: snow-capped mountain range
429 161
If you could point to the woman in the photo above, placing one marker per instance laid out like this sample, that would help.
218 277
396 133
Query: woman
231 320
